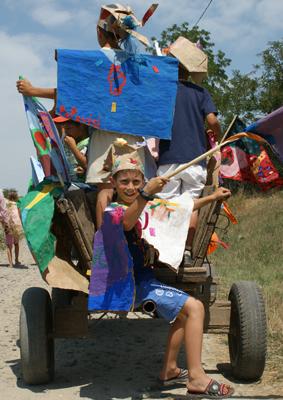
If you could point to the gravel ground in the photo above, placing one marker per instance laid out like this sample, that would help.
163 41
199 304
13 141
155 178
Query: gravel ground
120 361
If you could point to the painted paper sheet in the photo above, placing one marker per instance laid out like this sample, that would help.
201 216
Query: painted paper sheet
46 139
37 172
165 226
112 91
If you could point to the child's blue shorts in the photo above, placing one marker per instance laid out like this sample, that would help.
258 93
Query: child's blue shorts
169 301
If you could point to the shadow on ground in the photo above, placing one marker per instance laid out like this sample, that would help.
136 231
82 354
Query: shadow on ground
121 360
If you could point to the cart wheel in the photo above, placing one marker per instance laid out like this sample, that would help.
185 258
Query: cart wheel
247 334
36 343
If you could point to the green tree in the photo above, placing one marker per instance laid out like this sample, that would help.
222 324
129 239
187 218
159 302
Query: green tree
217 80
241 98
270 72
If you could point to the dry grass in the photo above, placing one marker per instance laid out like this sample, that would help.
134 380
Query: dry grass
256 253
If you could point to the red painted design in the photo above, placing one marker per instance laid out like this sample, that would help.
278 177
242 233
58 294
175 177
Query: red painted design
40 139
117 80
133 161
74 111
62 109
85 120
155 69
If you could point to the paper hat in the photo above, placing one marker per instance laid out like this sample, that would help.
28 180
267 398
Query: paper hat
122 156
122 21
191 57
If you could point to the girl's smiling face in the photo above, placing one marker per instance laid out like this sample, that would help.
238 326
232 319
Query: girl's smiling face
127 183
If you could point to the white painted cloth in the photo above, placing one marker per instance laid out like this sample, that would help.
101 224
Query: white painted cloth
165 226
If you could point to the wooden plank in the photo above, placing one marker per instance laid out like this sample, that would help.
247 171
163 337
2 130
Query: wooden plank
217 317
70 322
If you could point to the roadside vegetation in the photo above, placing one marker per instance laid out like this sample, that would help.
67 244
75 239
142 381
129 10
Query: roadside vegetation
256 253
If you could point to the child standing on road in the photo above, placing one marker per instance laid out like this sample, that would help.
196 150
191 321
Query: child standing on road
185 313
13 231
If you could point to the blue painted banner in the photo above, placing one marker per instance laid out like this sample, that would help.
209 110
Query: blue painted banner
113 91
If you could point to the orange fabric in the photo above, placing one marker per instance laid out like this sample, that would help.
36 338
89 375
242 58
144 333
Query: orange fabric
229 213
214 243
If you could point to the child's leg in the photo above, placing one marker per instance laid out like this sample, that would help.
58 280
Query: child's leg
9 255
193 325
9 244
174 342
17 250
192 229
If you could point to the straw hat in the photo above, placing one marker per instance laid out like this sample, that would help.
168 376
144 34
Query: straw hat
191 57
122 21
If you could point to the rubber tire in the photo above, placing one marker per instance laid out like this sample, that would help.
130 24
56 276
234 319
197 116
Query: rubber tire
247 336
36 342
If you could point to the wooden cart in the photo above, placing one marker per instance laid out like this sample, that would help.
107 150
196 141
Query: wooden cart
65 315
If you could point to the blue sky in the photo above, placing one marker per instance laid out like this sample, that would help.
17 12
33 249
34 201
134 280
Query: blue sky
30 31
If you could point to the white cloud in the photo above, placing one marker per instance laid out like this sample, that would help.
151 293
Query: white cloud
50 15
19 55
269 14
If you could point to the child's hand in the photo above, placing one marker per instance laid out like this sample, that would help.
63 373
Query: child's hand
25 87
155 185
80 170
221 193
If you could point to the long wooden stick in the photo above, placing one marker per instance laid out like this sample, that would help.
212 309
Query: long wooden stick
229 128
202 157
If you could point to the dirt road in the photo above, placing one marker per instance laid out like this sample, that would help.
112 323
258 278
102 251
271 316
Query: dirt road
120 361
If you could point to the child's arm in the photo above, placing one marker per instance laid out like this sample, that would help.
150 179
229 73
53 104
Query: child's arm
27 89
133 212
220 194
104 198
80 157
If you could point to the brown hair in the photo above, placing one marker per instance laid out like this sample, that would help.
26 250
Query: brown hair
13 195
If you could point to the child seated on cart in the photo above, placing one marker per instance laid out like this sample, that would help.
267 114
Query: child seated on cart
182 311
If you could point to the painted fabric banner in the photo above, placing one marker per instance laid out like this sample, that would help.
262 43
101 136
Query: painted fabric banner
46 139
251 159
270 128
112 284
114 91
165 226
37 209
